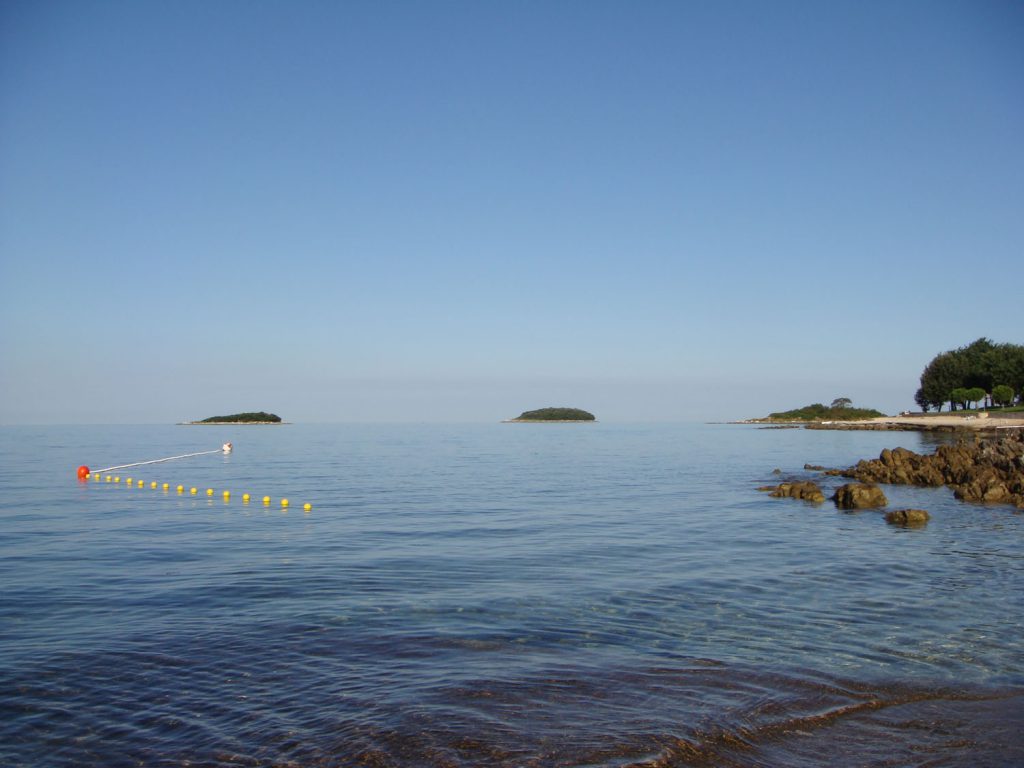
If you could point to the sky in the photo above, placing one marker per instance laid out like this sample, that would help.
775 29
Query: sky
457 211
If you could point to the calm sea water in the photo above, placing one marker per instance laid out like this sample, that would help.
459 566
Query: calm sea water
495 595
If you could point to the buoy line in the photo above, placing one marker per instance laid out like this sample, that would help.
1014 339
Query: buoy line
154 461
182 490
84 471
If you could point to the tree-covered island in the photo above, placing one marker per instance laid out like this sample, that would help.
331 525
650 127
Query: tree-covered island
553 414
251 417
841 409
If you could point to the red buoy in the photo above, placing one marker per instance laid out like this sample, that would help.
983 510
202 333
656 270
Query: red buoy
83 472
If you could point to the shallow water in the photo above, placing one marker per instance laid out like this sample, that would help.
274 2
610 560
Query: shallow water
548 595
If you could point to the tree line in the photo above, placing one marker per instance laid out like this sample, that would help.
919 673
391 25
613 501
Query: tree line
981 374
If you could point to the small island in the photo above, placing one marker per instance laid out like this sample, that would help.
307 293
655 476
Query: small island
259 417
841 410
549 415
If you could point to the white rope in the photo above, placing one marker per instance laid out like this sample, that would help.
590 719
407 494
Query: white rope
155 461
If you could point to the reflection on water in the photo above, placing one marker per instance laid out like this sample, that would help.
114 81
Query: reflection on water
496 595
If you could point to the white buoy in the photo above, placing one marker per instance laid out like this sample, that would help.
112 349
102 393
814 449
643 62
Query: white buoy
227 448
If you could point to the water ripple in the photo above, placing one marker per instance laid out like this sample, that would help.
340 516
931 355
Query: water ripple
477 596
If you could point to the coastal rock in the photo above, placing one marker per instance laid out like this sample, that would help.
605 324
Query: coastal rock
981 471
806 491
907 517
814 467
859 496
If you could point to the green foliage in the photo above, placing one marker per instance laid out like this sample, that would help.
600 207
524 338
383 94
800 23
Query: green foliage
1002 395
819 412
975 395
941 376
977 357
922 401
557 414
1006 364
982 364
958 397
261 416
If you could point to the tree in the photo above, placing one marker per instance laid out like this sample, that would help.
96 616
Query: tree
842 402
1002 394
958 397
976 395
921 400
941 376
1006 363
978 358
980 364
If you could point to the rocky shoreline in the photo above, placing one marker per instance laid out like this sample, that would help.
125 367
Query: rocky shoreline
922 425
986 470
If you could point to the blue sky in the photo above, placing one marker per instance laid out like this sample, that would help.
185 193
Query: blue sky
456 211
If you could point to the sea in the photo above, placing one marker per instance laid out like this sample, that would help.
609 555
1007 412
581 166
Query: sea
495 595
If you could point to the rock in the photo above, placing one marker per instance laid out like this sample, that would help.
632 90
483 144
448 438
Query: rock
776 471
859 496
987 470
907 517
807 491
814 467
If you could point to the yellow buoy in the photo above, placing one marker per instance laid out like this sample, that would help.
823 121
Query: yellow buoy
128 480
266 499
181 489
284 502
141 483
209 491
117 479
245 497
227 494
153 484
307 506
166 486
193 491
107 478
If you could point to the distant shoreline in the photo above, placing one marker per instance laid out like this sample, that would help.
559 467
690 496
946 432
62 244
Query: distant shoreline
937 423
549 421
231 423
